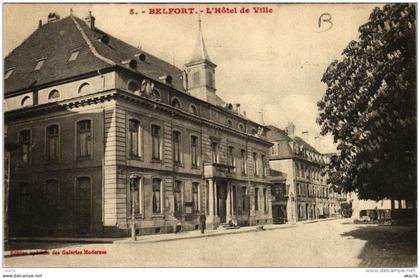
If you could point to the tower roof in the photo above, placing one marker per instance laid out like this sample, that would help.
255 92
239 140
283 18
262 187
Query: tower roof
200 51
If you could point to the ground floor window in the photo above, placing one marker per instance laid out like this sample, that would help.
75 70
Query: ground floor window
177 196
195 197
156 197
136 203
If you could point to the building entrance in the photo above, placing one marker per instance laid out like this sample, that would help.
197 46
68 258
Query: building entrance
221 201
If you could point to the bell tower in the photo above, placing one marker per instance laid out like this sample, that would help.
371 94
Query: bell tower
199 72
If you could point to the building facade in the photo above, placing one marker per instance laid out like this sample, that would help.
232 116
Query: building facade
306 191
109 135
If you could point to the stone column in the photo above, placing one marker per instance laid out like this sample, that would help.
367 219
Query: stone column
270 208
210 217
229 202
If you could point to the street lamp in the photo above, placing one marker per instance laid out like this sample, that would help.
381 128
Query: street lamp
133 185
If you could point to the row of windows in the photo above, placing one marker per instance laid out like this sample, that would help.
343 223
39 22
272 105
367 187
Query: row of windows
137 199
135 142
39 63
308 172
261 205
311 190
51 194
54 95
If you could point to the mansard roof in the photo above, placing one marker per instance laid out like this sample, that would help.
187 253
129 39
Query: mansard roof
55 41
277 134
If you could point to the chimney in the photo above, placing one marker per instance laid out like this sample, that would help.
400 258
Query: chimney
52 17
90 20
305 136
290 129
238 108
40 24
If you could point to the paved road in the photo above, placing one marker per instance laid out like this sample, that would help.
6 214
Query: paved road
324 244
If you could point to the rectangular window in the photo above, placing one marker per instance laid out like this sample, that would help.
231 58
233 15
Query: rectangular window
256 199
25 145
244 200
52 197
265 199
84 134
194 147
264 169
156 197
195 197
135 203
214 152
24 199
156 142
134 138
52 142
243 161
255 159
176 144
231 158
177 196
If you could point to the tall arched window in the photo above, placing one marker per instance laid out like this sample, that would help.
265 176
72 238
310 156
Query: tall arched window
175 103
25 145
156 142
84 139
53 95
84 88
52 142
24 199
157 206
134 137
176 143
136 193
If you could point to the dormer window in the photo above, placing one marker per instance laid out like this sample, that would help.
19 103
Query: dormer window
241 127
175 103
230 123
53 95
39 64
193 109
8 73
73 55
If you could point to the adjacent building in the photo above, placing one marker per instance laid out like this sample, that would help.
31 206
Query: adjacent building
108 135
306 194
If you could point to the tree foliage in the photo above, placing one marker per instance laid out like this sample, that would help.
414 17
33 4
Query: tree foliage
370 107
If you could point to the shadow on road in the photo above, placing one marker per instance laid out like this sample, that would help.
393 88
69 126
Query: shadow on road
386 246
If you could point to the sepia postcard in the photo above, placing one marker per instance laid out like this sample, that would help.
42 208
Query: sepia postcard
263 135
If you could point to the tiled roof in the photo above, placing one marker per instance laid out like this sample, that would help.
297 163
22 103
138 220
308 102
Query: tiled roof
305 144
277 134
53 41
56 40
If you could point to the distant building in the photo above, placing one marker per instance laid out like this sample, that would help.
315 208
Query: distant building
107 132
307 193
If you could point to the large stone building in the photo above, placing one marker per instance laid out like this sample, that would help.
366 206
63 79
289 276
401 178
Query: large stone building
306 193
107 132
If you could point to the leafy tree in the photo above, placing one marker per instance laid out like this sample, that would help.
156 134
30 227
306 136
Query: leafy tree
370 108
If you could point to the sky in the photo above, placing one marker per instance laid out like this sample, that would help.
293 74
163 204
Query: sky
271 63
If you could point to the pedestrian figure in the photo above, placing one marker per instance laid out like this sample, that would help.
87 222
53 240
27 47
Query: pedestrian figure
202 222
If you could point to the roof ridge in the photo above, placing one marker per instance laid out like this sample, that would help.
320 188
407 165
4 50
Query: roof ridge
90 44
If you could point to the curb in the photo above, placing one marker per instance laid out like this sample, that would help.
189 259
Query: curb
127 241
64 240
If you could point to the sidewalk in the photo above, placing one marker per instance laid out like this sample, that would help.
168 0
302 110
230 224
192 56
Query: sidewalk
156 238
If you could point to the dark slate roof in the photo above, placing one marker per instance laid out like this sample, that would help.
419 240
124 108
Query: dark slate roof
305 144
119 51
56 40
53 41
277 134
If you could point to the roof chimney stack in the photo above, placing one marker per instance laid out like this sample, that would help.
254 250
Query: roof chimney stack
90 20
52 17
290 129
